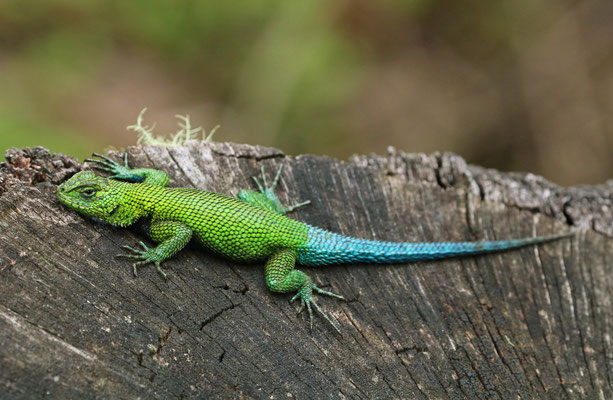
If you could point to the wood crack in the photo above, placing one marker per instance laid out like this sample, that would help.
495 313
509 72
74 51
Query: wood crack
520 324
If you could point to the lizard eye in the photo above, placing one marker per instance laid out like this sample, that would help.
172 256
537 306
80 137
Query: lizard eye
88 193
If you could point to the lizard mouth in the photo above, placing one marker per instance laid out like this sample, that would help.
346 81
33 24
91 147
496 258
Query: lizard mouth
62 195
71 203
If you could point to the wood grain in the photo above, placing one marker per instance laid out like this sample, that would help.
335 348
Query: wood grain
534 323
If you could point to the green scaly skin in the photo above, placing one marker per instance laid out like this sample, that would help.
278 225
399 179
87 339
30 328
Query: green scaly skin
252 228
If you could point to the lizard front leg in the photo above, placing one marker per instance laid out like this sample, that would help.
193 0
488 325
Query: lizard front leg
172 236
281 277
266 197
147 175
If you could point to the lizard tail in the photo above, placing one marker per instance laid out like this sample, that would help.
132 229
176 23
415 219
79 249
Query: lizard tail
323 248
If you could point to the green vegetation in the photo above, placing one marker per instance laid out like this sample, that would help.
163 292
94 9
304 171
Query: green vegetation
507 85
272 64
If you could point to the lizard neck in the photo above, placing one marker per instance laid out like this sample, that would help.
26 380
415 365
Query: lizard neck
133 203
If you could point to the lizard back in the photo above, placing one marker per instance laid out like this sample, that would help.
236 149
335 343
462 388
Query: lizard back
224 224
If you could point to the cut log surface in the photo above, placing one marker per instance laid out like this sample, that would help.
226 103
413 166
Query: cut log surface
532 323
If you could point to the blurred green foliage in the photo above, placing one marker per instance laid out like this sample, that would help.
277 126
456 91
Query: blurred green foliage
473 77
23 132
274 58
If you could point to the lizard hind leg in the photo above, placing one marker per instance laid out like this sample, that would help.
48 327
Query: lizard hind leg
281 277
266 197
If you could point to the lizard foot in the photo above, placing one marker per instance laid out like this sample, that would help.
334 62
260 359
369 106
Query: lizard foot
145 256
269 192
305 293
109 165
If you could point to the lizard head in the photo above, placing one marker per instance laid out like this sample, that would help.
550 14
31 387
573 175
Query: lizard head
89 195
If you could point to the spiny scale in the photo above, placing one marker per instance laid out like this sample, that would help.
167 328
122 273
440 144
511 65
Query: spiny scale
248 229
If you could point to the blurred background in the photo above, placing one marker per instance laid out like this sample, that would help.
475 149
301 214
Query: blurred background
525 85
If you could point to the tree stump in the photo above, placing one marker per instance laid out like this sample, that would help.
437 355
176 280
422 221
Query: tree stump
531 323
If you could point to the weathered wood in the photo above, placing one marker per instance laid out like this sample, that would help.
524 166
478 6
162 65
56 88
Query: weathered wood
533 323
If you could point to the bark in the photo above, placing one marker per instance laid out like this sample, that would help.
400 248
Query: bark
533 323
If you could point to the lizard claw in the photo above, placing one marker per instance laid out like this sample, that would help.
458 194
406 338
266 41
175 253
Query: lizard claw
326 293
145 257
269 191
107 164
306 301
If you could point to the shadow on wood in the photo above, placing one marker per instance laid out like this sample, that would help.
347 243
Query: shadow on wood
531 323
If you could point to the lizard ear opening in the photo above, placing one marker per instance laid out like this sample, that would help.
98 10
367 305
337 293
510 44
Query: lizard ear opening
122 215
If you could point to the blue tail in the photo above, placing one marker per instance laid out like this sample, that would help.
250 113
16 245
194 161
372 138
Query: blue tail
323 248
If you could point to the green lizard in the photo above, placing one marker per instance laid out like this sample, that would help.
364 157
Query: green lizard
250 228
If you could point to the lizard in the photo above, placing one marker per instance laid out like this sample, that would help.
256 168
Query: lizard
252 227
